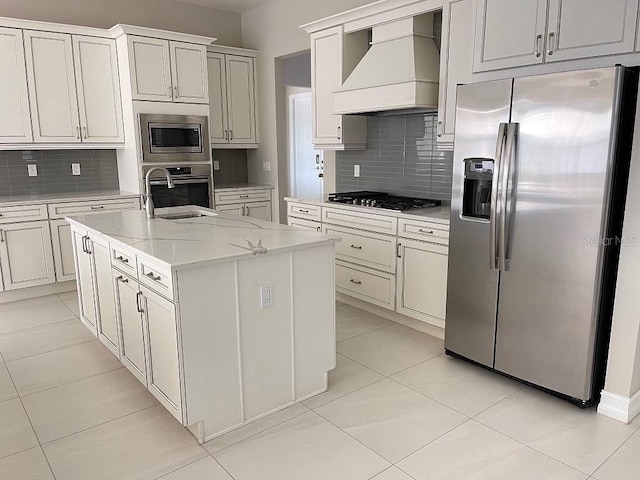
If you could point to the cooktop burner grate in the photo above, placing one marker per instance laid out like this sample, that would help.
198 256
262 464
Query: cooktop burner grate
383 200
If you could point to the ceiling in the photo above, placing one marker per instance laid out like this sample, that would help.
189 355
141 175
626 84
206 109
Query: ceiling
237 6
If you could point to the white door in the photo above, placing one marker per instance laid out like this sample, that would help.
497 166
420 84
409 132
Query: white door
241 99
26 255
62 250
15 119
217 98
52 87
162 352
326 77
98 89
422 280
107 323
306 162
509 33
150 69
261 210
84 278
189 72
588 28
129 314
235 208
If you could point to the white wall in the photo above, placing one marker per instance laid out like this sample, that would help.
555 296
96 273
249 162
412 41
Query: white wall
273 29
162 14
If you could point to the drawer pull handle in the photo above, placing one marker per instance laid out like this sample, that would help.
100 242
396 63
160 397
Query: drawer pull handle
138 303
428 232
244 196
302 211
399 251
154 277
122 259
357 247
357 282
2 236
122 279
97 208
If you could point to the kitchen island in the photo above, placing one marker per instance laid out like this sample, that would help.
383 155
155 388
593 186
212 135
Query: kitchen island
225 319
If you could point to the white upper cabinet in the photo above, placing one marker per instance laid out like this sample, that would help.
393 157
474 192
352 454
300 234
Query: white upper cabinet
52 88
189 72
589 28
240 99
509 33
98 85
150 69
15 120
218 127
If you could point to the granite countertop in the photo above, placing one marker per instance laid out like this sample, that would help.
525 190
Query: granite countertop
439 214
237 186
179 244
63 197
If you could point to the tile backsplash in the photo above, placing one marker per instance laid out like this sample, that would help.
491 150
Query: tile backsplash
233 167
401 158
98 168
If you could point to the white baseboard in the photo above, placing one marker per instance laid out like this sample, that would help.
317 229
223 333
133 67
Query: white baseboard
623 409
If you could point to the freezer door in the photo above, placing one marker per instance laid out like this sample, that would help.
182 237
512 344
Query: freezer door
556 203
472 285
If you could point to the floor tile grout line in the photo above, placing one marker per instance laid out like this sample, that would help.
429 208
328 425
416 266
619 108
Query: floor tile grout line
48 462
360 334
344 395
39 326
614 452
30 306
183 466
498 402
221 466
53 349
390 467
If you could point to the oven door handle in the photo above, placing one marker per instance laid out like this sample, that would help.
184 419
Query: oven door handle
178 181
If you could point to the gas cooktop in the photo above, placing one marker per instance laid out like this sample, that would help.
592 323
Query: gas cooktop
382 200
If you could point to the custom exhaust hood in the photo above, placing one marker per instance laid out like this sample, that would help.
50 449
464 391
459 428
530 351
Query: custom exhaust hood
399 72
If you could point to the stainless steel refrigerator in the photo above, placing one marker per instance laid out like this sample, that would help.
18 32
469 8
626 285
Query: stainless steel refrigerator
539 183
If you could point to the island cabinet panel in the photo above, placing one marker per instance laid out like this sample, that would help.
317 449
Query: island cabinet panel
107 323
84 275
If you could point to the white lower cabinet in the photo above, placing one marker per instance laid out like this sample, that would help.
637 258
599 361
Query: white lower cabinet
62 250
26 256
260 210
254 203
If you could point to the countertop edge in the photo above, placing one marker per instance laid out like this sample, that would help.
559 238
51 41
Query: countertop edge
66 198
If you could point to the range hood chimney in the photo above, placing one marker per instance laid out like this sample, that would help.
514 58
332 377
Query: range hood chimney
400 71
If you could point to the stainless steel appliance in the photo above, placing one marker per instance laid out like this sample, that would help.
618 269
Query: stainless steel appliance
539 183
174 138
192 186
382 200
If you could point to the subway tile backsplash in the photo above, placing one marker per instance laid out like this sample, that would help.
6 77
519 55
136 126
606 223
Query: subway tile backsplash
401 158
99 171
233 167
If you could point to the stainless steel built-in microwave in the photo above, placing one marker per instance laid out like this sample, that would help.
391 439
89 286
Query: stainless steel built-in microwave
171 138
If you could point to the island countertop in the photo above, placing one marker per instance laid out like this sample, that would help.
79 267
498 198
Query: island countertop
194 242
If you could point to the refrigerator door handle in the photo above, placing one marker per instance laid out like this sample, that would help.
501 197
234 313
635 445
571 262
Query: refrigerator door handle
512 135
493 220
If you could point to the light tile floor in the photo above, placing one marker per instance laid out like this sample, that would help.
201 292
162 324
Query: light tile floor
397 409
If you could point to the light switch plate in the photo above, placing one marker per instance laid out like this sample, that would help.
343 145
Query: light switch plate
216 165
266 166
32 168
356 171
75 168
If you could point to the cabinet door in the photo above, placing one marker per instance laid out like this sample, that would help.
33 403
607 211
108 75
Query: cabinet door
15 119
107 323
98 89
217 98
236 209
326 77
422 280
189 72
150 69
84 278
456 62
128 311
588 28
509 33
163 351
261 210
52 87
62 250
241 99
26 255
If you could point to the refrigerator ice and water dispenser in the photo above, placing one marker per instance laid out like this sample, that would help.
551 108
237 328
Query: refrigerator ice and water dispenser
476 196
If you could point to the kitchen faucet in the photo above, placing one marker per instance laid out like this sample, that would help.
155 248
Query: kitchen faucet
148 205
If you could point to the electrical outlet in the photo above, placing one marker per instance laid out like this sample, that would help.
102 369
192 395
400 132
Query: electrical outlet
356 171
266 166
75 168
266 296
32 168
216 165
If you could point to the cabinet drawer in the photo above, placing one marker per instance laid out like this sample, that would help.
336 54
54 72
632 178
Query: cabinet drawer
306 224
426 231
61 210
156 278
238 196
360 220
124 261
23 213
368 285
364 248
301 210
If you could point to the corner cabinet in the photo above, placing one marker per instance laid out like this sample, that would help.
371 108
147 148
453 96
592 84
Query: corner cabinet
331 62
232 97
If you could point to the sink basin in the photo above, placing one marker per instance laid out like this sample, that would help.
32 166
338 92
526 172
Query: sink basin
185 215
